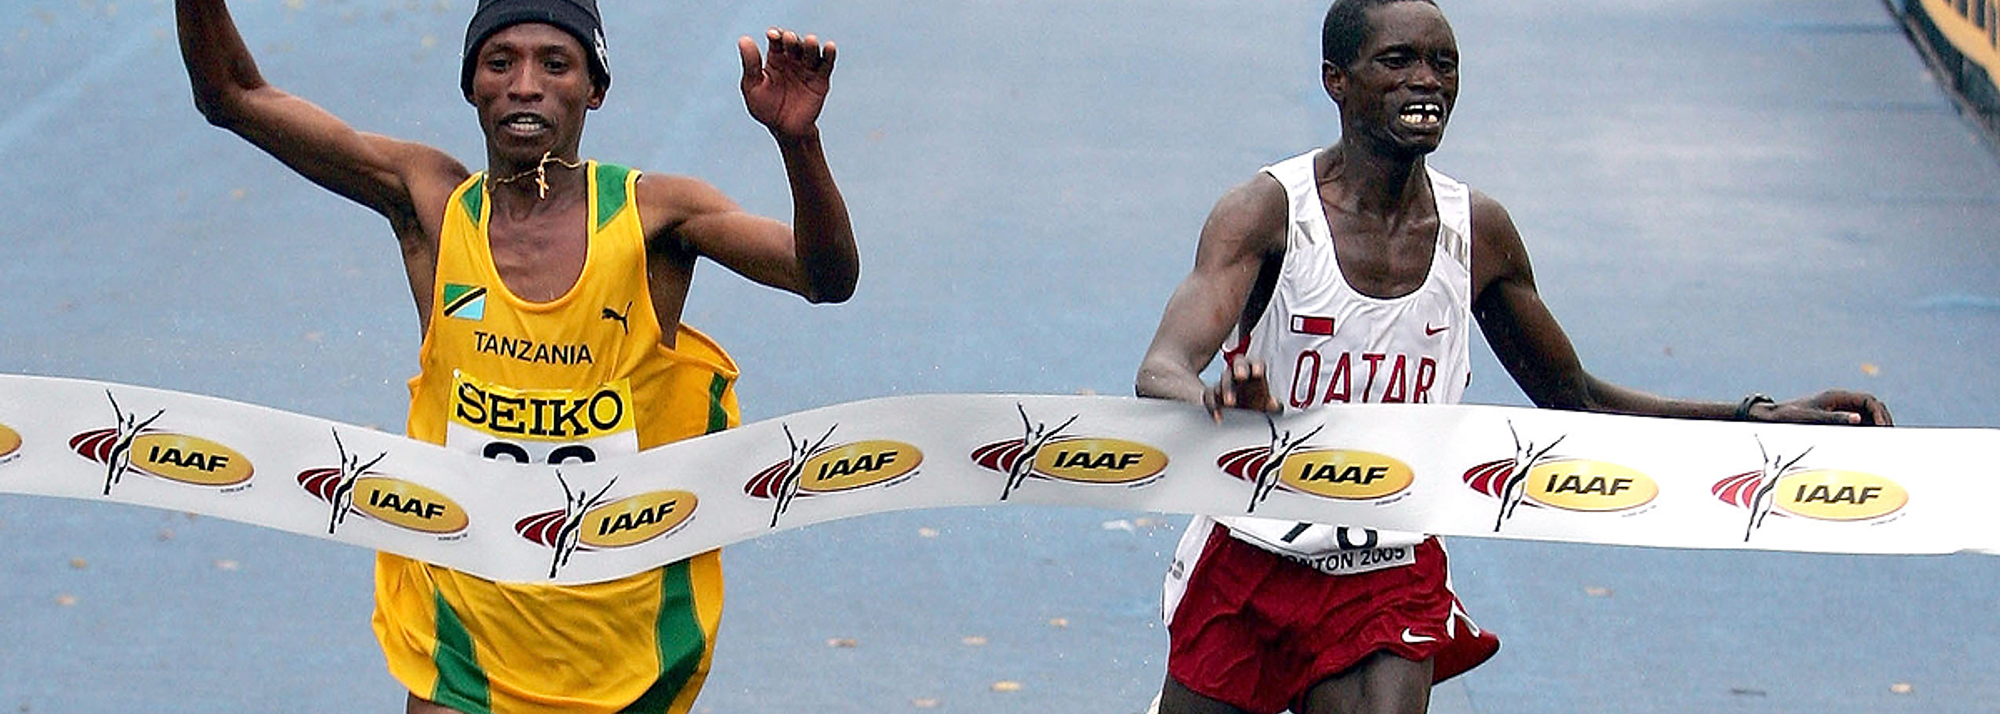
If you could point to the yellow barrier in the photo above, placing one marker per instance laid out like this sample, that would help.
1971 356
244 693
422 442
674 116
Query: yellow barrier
1970 26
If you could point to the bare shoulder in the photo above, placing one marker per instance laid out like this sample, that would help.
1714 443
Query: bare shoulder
430 173
1490 220
411 184
666 201
1497 249
1253 214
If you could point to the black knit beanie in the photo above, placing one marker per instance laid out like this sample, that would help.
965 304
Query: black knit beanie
577 17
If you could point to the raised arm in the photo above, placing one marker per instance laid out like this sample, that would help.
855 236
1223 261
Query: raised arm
814 257
374 171
1235 267
1541 359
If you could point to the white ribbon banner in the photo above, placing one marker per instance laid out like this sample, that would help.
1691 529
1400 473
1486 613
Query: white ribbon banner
1451 470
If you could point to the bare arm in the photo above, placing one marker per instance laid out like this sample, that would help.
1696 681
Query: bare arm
1541 359
814 257
1242 241
374 171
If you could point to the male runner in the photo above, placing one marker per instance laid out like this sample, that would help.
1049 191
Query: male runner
1352 274
543 284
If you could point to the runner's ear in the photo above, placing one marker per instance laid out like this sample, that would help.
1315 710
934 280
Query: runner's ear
1334 78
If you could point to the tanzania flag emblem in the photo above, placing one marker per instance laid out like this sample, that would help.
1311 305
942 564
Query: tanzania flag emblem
465 302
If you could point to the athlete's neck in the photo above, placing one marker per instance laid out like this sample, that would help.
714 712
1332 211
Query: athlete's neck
538 172
1371 182
552 181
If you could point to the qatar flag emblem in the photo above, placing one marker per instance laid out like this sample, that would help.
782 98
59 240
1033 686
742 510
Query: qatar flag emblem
1312 325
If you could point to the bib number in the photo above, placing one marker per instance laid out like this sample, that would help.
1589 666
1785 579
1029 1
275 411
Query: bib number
521 454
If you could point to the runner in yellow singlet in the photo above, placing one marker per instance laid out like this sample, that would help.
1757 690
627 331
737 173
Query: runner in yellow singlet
549 291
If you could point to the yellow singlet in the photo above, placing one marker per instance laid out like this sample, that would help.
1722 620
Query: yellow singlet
583 377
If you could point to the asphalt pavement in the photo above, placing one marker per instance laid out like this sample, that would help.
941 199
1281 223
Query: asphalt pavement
1719 197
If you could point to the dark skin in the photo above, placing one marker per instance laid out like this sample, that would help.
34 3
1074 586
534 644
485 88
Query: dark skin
1377 200
531 87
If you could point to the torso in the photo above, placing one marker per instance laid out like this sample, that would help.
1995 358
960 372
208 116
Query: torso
1397 313
552 323
539 257
552 363
1378 257
1357 314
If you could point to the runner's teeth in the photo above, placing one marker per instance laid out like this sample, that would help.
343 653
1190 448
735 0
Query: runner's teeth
1423 114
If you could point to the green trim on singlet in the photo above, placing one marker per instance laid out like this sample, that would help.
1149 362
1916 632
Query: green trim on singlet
678 633
461 684
718 415
611 196
679 637
474 199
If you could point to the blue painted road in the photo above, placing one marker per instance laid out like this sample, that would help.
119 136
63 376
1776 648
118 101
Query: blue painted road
1720 197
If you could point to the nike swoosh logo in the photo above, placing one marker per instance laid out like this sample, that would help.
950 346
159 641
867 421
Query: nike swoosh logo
1416 639
1432 331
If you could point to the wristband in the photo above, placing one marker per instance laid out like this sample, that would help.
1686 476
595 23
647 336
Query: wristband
1755 398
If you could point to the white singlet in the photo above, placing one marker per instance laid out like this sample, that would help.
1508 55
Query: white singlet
1322 342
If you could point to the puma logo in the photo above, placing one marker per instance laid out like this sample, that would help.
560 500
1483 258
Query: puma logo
610 314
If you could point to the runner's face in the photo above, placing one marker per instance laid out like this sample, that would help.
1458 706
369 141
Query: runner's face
532 86
1400 89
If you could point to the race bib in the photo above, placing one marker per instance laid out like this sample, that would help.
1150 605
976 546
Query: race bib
541 426
1334 550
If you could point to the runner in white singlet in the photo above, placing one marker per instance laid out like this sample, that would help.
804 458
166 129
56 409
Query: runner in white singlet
1356 274
1324 342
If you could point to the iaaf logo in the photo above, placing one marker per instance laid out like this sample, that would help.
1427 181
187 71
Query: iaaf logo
1046 453
815 469
1781 487
1338 474
587 522
354 486
132 446
1539 480
10 444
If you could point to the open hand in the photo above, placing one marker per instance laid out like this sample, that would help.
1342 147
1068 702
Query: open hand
1833 406
786 92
